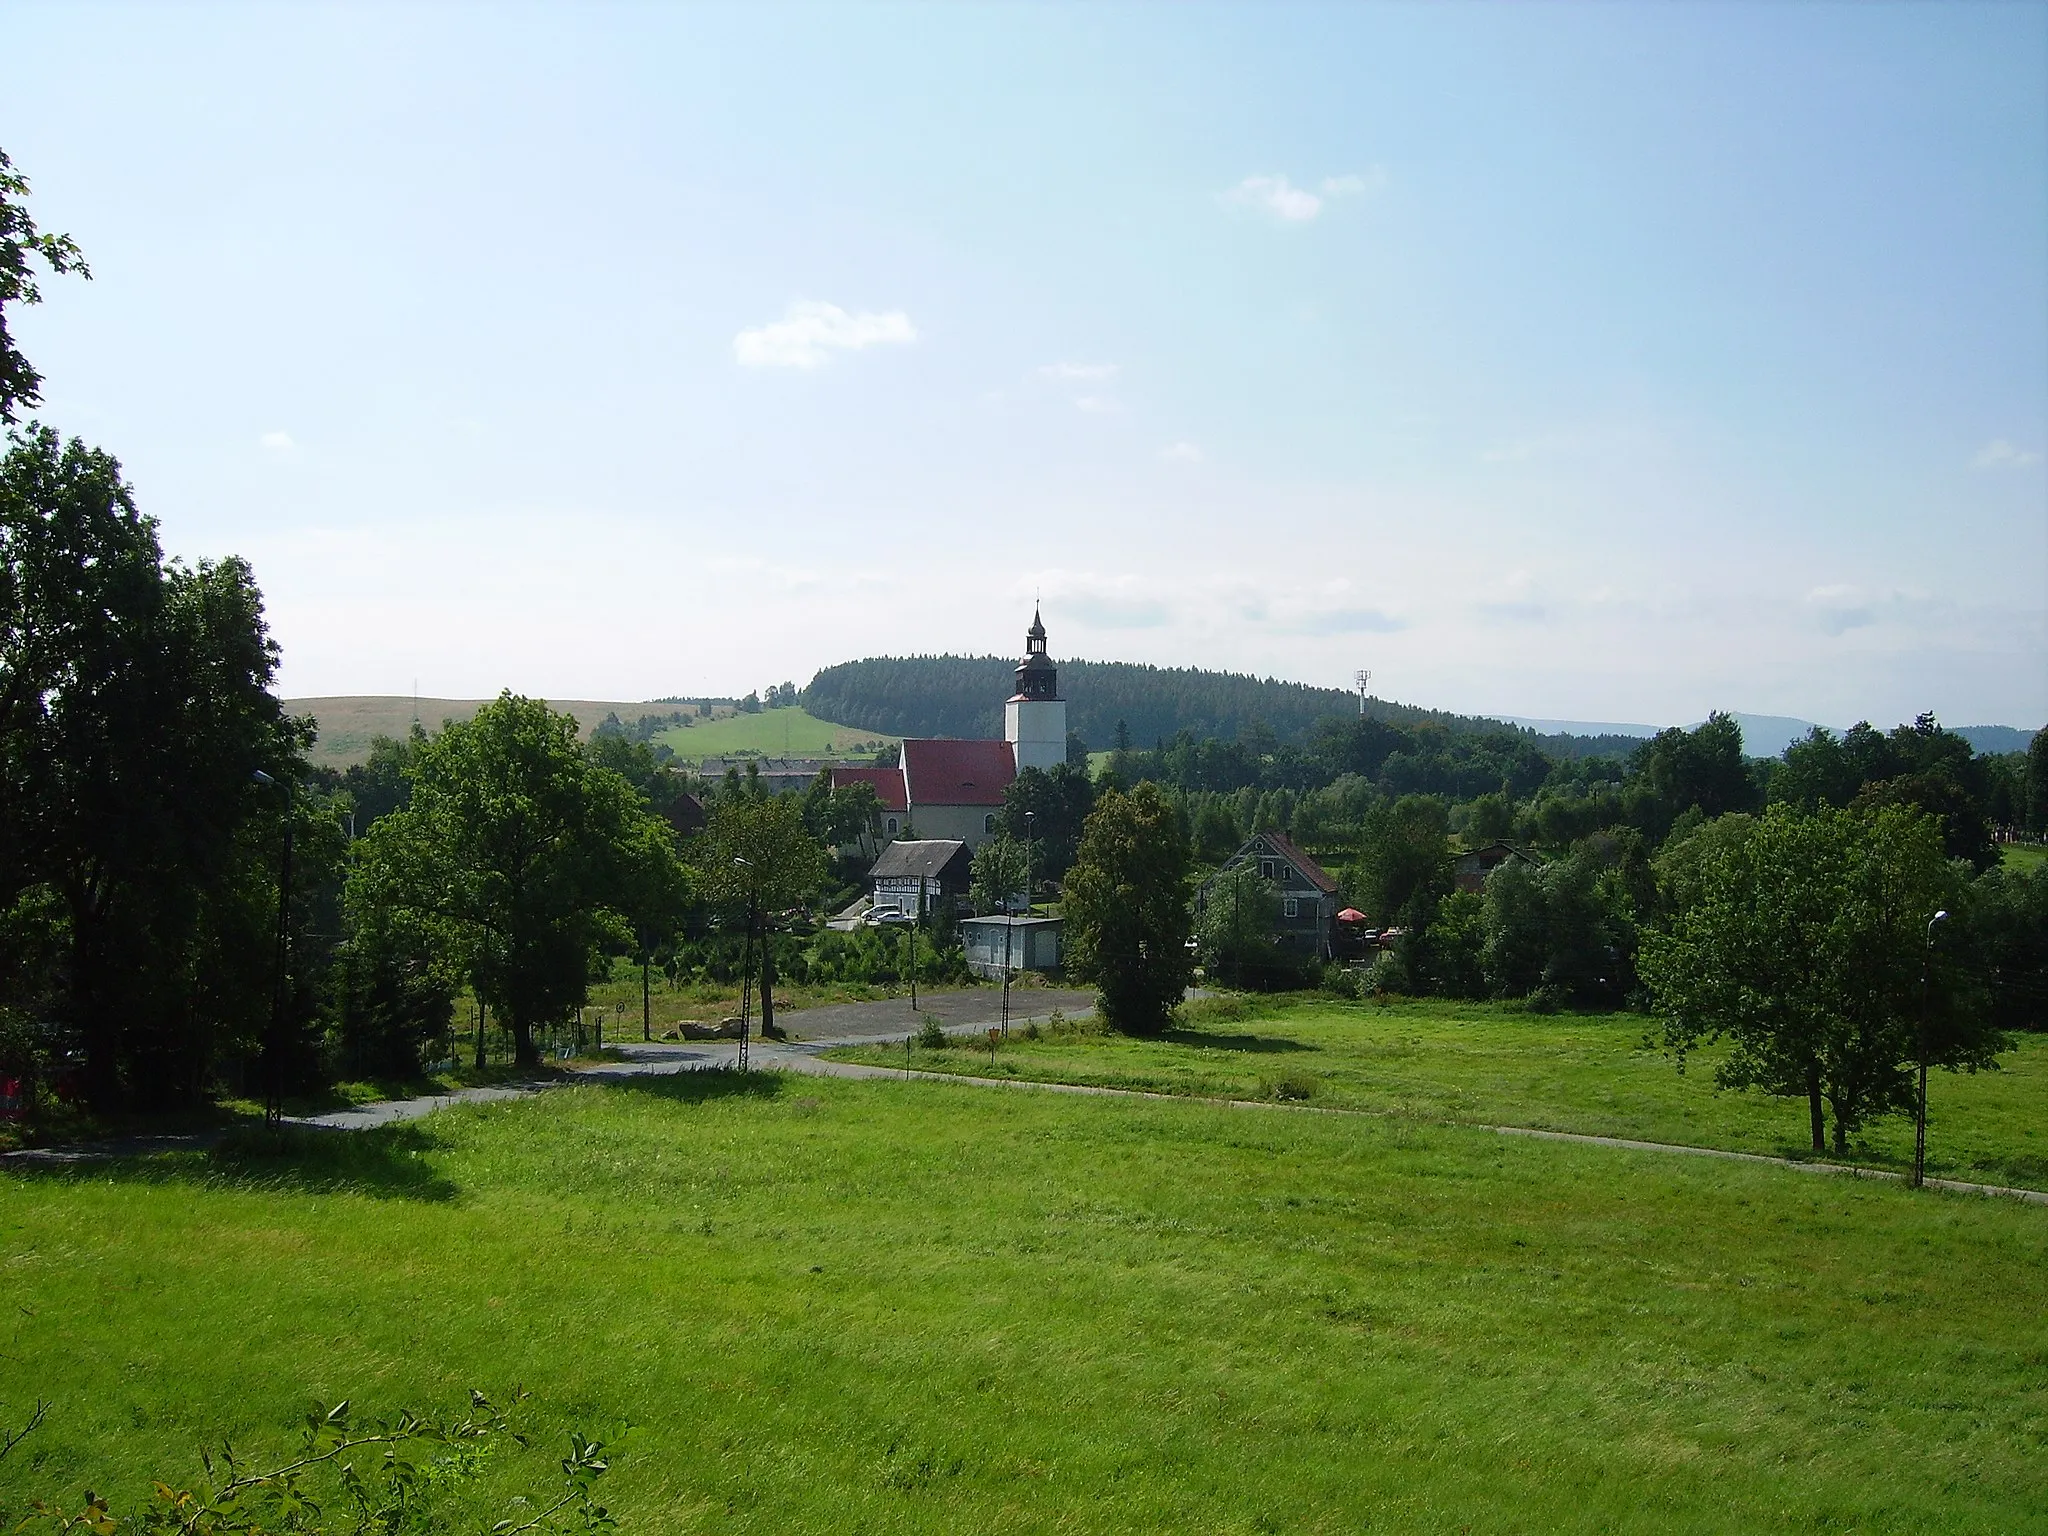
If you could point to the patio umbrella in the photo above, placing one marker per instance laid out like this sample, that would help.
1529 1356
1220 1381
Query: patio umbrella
1351 915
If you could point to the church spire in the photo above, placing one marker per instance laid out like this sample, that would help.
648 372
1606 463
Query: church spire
1036 676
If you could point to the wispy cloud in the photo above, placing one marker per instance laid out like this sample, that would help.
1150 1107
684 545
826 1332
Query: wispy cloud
1182 453
277 442
1281 198
1277 196
1097 405
810 332
1077 372
1999 454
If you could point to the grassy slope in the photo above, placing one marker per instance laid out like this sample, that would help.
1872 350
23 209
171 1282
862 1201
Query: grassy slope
791 732
348 724
2023 856
1480 1063
903 1307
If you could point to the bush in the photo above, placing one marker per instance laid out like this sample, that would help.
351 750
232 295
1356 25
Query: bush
931 1036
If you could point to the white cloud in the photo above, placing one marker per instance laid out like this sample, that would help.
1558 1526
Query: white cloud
1078 371
1275 195
1096 405
1999 454
277 442
809 332
1181 453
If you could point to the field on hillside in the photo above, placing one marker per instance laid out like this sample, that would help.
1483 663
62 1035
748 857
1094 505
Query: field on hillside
802 1305
1492 1064
349 724
789 732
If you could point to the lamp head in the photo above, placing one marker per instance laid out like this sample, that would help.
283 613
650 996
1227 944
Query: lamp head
261 777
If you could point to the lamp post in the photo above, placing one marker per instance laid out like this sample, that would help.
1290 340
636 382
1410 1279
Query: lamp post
273 1047
746 963
1029 818
915 918
1926 1010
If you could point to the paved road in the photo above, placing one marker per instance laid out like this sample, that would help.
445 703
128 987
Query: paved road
811 1030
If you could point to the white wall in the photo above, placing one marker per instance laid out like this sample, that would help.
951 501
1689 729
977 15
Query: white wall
1036 730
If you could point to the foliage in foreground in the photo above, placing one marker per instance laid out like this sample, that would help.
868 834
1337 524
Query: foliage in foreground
322 1488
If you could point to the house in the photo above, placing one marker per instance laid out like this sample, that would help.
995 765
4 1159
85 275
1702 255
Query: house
954 789
1016 943
1472 868
914 875
1308 894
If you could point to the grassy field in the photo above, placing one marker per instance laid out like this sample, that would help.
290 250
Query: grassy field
801 1305
1484 1063
2023 856
348 724
790 732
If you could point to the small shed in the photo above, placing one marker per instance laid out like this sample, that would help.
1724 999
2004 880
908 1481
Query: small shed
1020 943
914 875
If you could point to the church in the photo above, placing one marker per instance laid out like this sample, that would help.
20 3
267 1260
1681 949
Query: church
954 789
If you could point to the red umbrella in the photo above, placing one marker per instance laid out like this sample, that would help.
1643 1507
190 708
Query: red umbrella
1352 915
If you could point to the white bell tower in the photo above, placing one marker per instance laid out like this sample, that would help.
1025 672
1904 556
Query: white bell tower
1035 718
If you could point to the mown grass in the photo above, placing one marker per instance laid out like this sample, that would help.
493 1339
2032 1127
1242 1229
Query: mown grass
2025 857
890 1306
790 732
1490 1064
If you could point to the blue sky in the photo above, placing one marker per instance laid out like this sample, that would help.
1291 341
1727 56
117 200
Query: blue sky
1607 362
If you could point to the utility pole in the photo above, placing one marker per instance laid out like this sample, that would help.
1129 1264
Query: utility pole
1926 1012
280 998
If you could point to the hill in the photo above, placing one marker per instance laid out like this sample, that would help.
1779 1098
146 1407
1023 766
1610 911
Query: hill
350 722
962 696
791 731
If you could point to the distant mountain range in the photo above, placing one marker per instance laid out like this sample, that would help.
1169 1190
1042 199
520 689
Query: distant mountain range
1768 735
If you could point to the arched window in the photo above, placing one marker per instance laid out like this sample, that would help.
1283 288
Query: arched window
892 826
988 823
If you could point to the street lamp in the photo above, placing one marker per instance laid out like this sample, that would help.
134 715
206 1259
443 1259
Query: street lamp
746 962
273 1048
1926 1010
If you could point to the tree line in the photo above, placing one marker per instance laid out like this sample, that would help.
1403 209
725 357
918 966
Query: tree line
1114 703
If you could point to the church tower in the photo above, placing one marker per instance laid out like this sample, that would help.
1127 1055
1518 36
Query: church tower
1035 718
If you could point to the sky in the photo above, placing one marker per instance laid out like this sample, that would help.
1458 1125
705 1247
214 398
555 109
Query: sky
1599 362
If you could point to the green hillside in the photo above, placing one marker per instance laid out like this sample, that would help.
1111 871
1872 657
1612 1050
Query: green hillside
350 722
787 732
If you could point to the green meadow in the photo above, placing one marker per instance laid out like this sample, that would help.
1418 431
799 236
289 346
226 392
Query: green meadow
808 1305
1497 1064
787 732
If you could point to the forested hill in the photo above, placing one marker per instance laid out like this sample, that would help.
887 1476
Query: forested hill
962 696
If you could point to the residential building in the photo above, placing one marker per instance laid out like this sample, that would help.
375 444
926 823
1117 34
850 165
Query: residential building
915 875
1308 893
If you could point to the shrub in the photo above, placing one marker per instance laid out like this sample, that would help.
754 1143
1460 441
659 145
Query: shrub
931 1036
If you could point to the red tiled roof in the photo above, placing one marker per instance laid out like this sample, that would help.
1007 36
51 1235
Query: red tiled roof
958 772
888 784
1317 875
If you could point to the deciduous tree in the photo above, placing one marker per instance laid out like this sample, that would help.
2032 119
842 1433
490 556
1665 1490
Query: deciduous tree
1127 912
522 854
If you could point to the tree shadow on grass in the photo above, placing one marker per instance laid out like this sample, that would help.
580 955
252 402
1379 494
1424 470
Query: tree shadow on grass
1257 1045
703 1085
389 1163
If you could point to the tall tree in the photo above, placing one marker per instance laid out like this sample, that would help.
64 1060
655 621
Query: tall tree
520 852
1803 946
22 245
997 875
1127 912
134 704
1049 807
756 857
